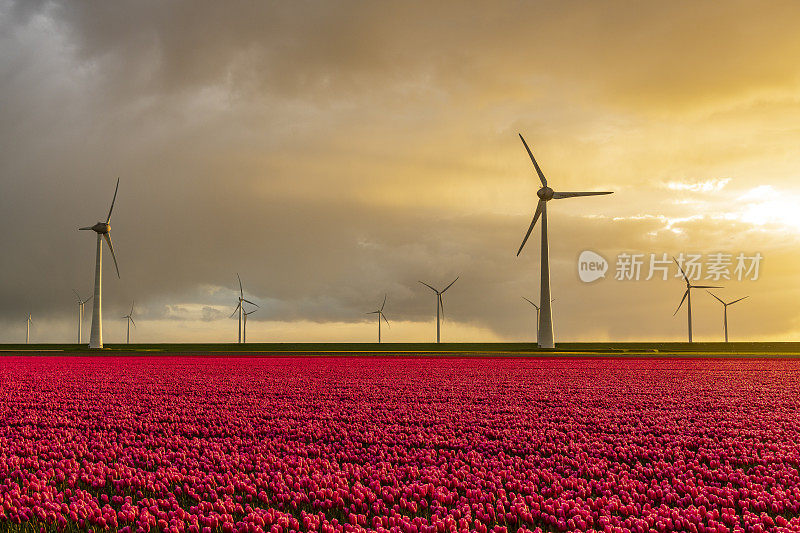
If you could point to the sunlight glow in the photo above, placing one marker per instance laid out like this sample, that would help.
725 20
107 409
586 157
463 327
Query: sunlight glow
765 205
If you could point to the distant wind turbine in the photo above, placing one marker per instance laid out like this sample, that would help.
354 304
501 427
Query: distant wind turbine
545 194
380 314
244 324
129 317
537 315
28 321
103 230
81 303
725 310
688 294
239 309
439 306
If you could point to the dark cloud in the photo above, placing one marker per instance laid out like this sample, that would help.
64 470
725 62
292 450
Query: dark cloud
332 152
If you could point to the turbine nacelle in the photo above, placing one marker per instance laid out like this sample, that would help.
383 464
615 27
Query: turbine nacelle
101 227
545 193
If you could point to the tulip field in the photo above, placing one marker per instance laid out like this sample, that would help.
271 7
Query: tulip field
401 445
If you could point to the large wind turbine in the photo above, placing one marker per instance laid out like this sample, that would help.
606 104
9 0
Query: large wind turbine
129 318
546 194
439 305
81 303
103 230
28 321
239 309
725 310
244 324
380 314
688 294
537 315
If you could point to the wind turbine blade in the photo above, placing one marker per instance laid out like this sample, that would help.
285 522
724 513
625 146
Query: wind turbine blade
251 303
132 321
715 296
111 247
372 313
431 288
533 223
559 195
236 309
685 294
538 170
384 301
78 295
681 269
86 228
739 300
451 284
530 302
89 298
385 320
108 218
707 287
441 304
241 291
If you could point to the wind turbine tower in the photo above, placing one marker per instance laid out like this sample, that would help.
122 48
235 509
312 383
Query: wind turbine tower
81 304
103 230
546 194
380 314
537 315
688 295
244 324
439 306
239 309
129 318
28 321
725 311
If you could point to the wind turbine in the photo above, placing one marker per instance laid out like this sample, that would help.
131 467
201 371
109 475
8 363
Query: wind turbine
688 294
244 324
239 309
725 310
28 321
380 314
537 315
439 305
129 317
545 194
103 230
81 303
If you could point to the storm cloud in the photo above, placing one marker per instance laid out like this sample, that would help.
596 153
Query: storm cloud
334 152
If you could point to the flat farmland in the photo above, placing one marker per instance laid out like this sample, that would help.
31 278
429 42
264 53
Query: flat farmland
404 445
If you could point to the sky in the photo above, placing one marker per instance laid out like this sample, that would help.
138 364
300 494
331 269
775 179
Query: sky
331 153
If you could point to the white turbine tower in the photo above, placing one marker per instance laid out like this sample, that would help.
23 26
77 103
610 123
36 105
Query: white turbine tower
537 315
546 194
380 314
439 306
28 321
103 230
81 304
239 309
725 310
688 294
244 324
129 318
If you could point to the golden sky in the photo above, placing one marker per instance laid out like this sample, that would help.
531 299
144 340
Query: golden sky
333 152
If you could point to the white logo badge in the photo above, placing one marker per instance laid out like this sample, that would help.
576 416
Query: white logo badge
591 266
